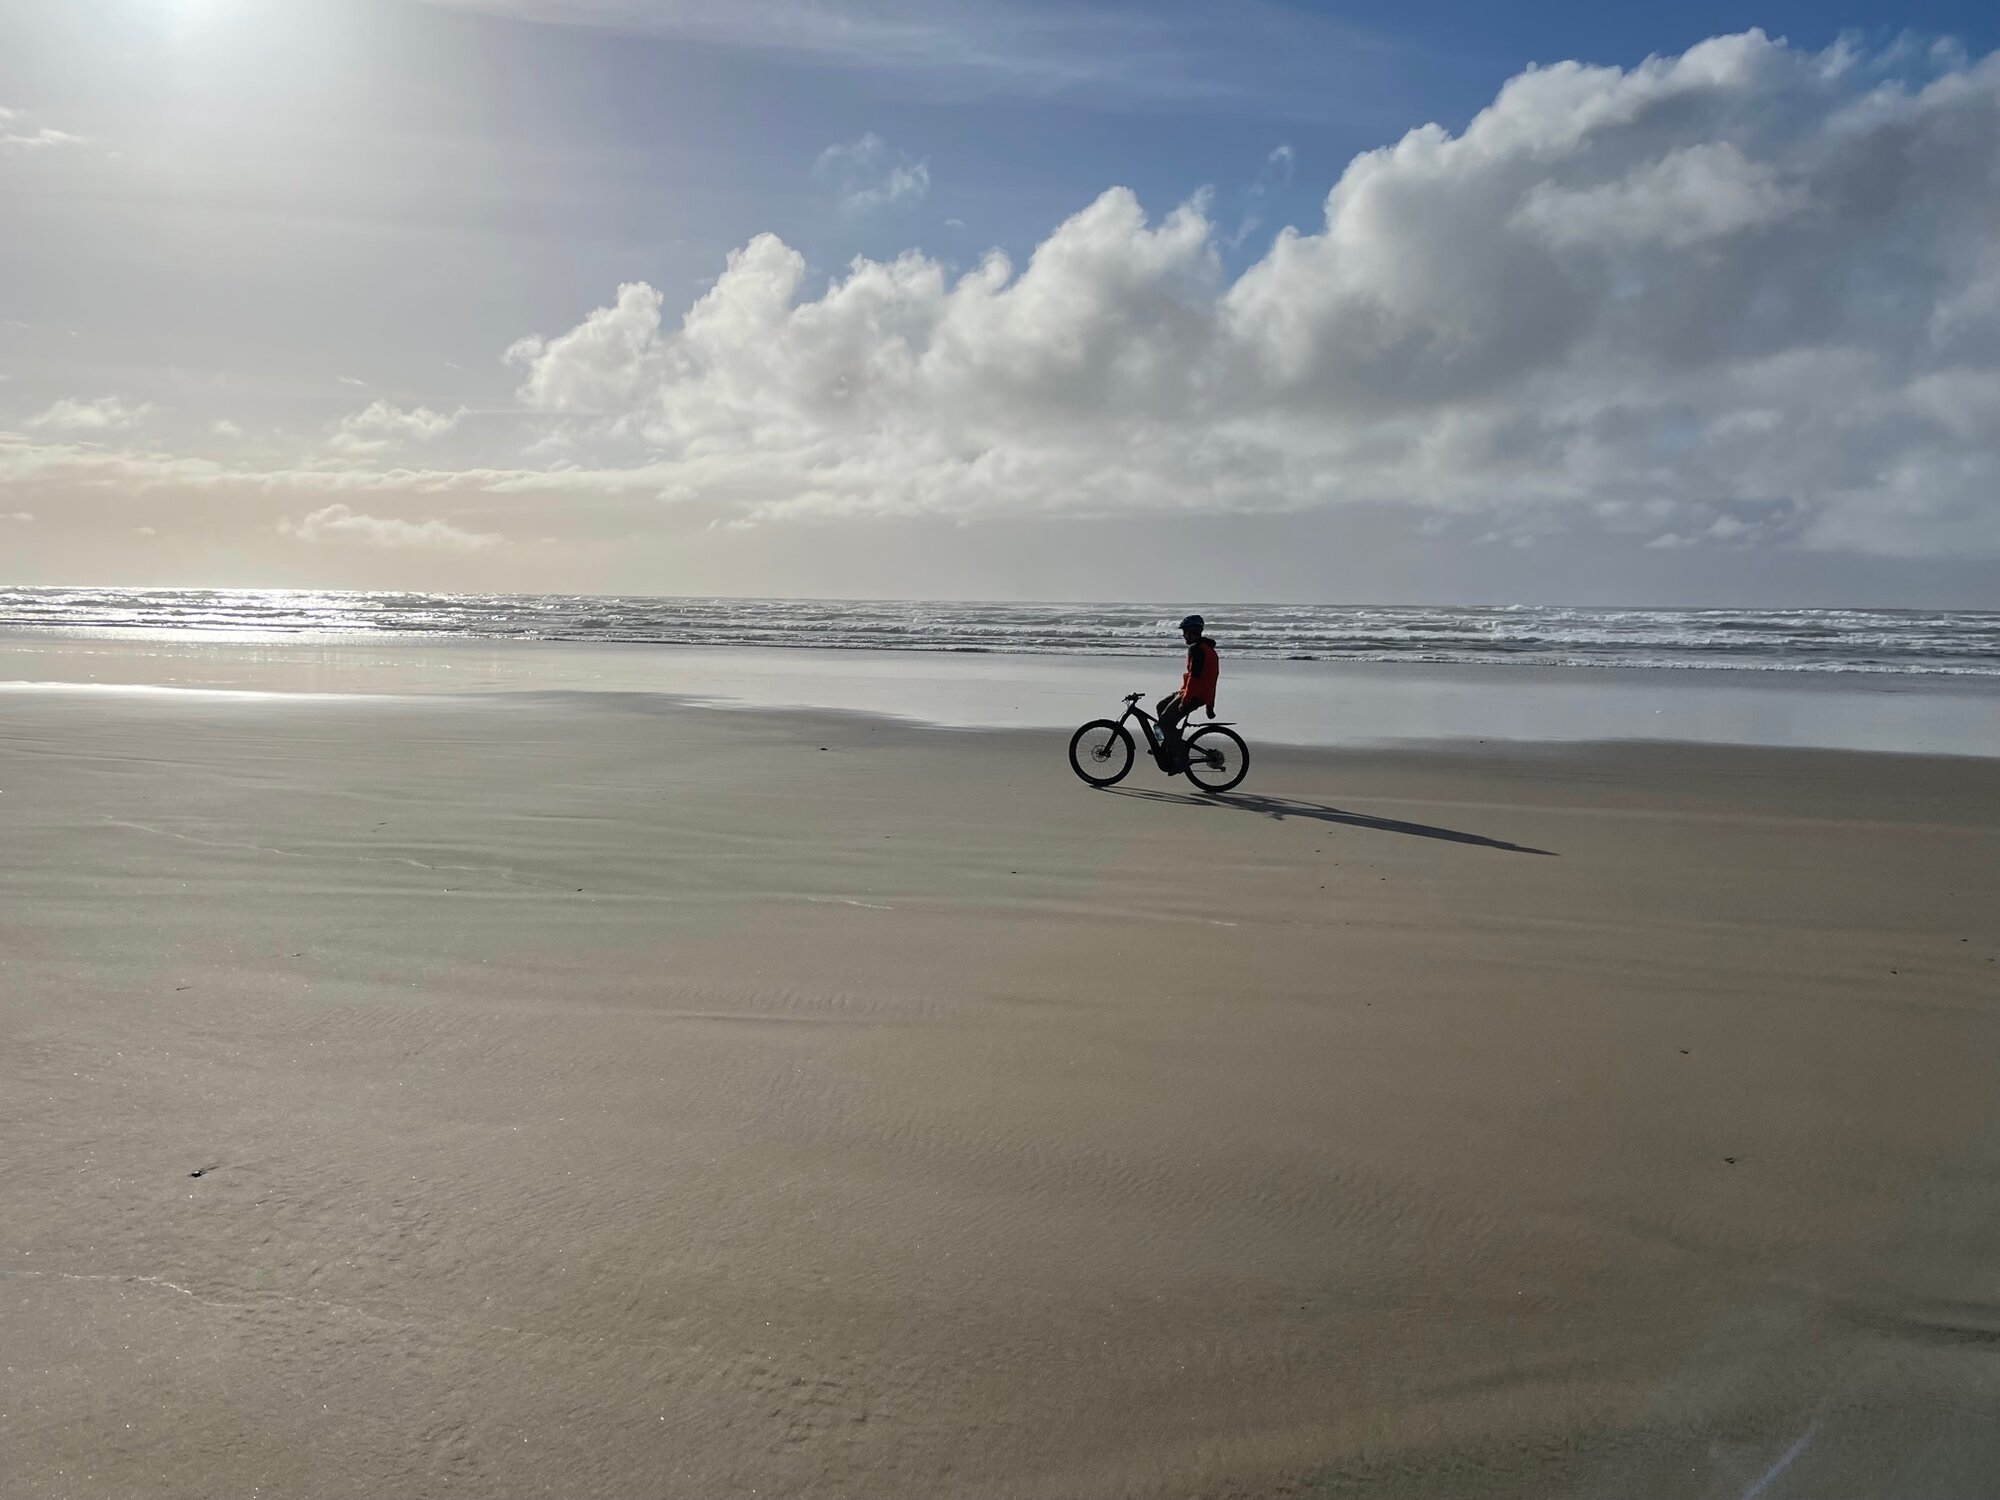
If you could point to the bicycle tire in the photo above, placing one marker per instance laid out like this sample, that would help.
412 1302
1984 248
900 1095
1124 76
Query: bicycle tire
1217 768
1110 752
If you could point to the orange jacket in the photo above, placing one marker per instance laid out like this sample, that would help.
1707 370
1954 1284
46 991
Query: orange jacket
1198 681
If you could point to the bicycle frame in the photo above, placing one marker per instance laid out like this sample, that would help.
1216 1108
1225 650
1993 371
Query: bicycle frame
1148 722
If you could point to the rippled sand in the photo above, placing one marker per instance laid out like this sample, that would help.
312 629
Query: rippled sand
568 1097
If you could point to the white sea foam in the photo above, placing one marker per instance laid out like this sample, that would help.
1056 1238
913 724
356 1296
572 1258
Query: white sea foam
1944 642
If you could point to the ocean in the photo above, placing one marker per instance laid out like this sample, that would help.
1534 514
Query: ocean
1926 642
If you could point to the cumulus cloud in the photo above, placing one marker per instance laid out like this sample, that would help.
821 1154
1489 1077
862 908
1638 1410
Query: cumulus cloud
1745 295
598 366
1694 194
108 414
379 426
17 133
868 175
340 524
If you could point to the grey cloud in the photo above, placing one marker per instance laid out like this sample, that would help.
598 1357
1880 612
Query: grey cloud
106 414
339 523
380 426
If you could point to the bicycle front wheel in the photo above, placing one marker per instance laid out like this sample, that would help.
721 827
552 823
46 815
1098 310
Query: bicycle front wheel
1101 752
1217 758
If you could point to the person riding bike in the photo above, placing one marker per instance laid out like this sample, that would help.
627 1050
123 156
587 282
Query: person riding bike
1197 690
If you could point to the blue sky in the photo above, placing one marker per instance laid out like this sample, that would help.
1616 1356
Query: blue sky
266 262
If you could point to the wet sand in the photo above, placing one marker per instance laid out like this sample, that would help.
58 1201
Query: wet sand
1334 704
583 1095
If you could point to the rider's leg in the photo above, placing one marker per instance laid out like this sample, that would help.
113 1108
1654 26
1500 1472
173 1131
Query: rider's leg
1171 715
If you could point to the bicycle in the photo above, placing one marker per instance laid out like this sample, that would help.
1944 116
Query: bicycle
1101 752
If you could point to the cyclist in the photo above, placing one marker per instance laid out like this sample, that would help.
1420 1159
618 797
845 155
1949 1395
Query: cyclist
1197 690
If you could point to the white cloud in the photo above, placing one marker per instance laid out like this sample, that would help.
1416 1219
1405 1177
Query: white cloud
557 445
18 134
1745 297
28 466
223 427
107 414
597 366
906 182
23 517
1746 284
1280 166
867 175
339 524
379 426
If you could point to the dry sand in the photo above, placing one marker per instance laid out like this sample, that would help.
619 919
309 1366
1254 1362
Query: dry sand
587 1097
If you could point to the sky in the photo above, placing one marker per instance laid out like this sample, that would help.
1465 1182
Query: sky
1190 299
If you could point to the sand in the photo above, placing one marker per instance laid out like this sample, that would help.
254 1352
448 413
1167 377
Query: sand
1337 704
588 1096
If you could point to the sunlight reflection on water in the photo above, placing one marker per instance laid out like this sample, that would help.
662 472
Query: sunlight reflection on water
1306 703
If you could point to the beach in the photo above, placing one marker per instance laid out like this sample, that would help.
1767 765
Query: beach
601 1094
571 927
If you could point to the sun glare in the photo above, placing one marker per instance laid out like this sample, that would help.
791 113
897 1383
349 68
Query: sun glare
192 15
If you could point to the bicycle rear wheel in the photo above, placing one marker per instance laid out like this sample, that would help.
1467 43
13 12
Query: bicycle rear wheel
1101 752
1217 758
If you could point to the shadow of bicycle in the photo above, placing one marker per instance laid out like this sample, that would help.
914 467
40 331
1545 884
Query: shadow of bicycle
1280 808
